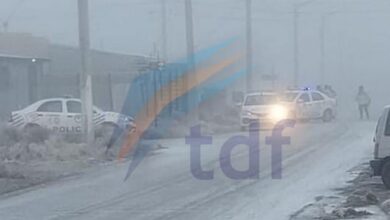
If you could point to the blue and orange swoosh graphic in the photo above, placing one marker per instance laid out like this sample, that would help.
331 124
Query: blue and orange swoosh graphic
201 77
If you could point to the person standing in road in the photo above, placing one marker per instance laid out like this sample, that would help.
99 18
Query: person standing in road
363 100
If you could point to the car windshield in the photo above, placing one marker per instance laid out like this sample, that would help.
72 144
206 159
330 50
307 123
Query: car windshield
289 96
260 100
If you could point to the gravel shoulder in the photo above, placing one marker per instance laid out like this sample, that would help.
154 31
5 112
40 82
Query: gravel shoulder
363 197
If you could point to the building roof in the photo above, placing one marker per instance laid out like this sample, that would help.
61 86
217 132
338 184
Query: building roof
23 46
66 60
10 56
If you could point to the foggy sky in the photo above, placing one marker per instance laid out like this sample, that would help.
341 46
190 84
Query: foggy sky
357 35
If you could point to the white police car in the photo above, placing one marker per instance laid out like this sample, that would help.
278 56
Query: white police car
262 107
309 104
63 115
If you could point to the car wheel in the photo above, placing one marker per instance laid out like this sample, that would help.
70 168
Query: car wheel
385 174
327 116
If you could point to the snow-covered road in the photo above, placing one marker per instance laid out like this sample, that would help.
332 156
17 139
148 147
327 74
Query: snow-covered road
162 187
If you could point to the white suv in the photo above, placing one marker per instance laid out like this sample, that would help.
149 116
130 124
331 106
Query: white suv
309 104
261 107
63 115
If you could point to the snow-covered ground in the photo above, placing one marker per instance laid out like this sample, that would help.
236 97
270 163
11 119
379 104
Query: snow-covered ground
162 187
40 156
364 197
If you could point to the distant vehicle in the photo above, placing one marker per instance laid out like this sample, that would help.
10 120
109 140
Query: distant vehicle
262 107
381 162
63 115
309 104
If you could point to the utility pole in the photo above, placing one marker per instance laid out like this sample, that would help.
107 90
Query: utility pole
322 61
86 81
164 29
189 33
296 48
190 49
249 50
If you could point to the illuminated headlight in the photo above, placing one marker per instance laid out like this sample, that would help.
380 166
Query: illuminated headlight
279 113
